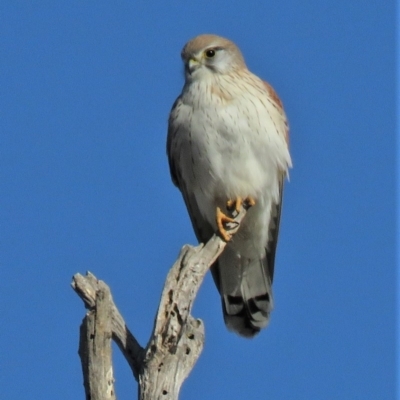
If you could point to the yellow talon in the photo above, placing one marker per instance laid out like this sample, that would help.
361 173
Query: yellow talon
231 205
249 202
234 204
221 220
237 203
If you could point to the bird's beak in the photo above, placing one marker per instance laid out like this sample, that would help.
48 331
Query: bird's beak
192 65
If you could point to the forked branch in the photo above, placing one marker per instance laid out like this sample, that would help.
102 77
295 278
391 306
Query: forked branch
177 338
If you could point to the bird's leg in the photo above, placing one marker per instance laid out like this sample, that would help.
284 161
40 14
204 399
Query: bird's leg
234 204
239 202
221 220
248 202
231 205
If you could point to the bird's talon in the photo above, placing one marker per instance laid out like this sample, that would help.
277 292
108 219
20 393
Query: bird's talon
223 219
249 202
234 205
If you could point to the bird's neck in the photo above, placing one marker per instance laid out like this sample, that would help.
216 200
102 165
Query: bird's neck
212 89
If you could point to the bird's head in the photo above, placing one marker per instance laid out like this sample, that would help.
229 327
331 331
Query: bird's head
210 54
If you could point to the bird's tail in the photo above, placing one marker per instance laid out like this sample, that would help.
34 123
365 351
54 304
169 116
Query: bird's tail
246 294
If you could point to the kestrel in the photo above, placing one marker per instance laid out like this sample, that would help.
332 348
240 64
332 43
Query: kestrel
228 144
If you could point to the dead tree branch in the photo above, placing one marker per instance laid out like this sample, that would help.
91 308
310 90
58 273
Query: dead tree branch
177 338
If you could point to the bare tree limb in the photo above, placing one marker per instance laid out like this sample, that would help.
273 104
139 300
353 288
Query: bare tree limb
87 287
95 349
177 338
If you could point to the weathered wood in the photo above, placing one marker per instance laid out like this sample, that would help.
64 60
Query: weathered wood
177 338
87 288
95 349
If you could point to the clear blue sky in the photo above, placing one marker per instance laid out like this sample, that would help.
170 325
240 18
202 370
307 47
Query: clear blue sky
86 88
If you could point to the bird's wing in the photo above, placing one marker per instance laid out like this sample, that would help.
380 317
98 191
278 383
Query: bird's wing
203 230
273 231
277 103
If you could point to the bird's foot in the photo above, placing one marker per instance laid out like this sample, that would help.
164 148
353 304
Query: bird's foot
234 205
223 219
248 202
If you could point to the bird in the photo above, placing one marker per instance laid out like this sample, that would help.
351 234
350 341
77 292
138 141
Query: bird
228 146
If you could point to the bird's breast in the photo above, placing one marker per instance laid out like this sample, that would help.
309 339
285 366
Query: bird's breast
228 146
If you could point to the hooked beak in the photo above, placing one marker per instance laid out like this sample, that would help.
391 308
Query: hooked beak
192 65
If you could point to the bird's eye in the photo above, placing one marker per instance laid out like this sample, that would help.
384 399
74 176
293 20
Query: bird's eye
210 53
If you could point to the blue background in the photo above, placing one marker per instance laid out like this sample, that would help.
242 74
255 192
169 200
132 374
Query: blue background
86 88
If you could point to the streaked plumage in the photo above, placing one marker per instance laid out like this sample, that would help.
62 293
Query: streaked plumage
228 138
